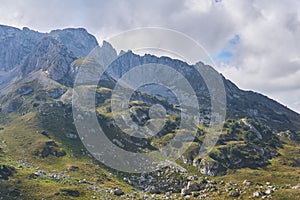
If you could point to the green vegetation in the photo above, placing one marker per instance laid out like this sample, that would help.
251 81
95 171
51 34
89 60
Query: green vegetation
40 145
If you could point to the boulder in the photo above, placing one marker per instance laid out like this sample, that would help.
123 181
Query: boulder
247 183
73 169
55 92
269 191
296 187
50 150
194 187
70 192
51 143
258 194
211 168
44 133
71 136
117 192
234 194
185 192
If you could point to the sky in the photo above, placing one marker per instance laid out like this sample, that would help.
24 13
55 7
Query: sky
254 43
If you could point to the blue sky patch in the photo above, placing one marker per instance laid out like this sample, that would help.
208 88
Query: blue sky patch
235 40
227 52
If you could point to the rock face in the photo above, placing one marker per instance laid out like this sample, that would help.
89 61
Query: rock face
211 168
16 45
25 90
117 192
55 92
13 105
240 104
52 57
52 52
79 41
50 148
55 52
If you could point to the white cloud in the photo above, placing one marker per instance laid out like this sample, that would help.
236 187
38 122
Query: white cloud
266 58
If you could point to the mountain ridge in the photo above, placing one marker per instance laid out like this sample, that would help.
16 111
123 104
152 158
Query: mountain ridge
59 47
259 141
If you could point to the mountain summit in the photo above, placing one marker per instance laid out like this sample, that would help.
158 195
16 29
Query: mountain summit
42 155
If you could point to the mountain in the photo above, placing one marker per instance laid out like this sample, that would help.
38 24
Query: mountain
15 45
20 43
42 156
33 51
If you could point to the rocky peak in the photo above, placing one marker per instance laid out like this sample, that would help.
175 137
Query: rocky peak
79 41
50 56
105 54
15 45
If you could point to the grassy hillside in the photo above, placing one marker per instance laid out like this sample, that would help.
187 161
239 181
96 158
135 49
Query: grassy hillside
41 156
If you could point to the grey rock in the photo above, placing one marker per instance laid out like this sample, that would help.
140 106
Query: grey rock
269 191
20 43
71 136
77 40
153 190
234 194
117 192
24 90
210 168
70 192
194 187
56 92
51 143
16 45
258 194
13 105
50 56
192 178
247 183
73 169
44 133
185 192
296 187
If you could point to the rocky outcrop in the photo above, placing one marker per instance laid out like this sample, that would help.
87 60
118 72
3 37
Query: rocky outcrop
117 192
55 51
50 56
50 148
56 92
211 168
291 135
24 90
77 40
16 45
70 192
13 105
